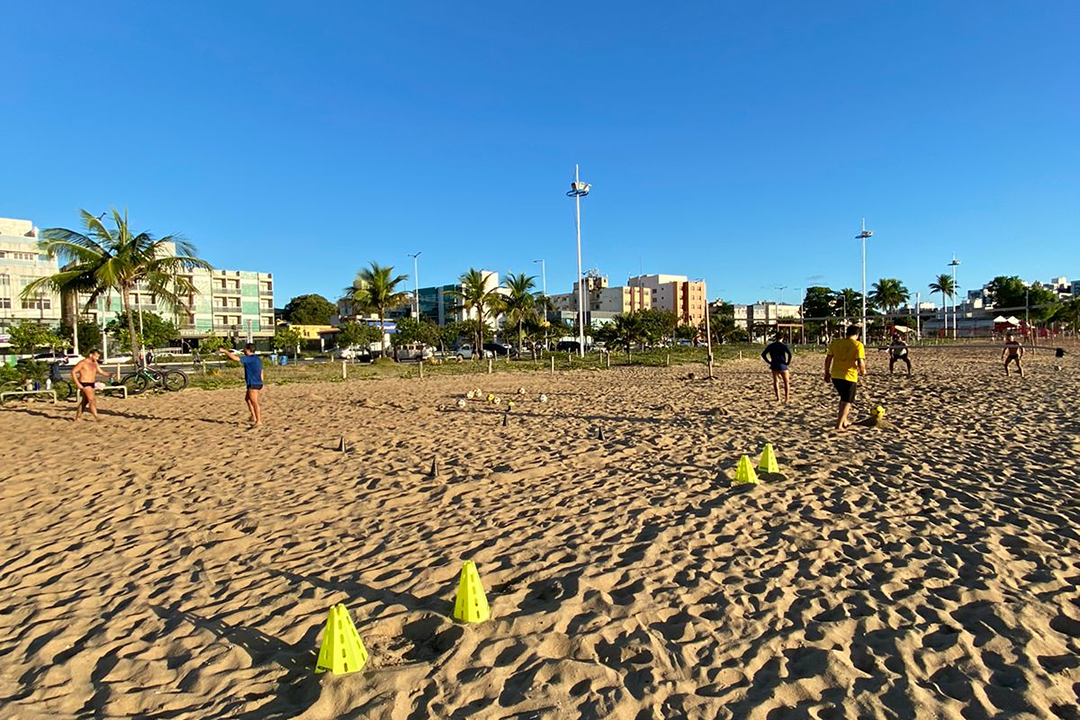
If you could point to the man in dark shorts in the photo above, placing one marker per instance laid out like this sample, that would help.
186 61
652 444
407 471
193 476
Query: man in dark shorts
898 352
253 377
84 375
778 355
843 363
1013 352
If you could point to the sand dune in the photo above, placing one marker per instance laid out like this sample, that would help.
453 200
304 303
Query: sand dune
170 563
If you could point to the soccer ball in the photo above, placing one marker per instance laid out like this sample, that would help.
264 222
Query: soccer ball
877 413
542 398
521 391
495 400
470 395
461 402
490 398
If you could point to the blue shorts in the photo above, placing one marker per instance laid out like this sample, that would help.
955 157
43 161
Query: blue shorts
254 387
778 367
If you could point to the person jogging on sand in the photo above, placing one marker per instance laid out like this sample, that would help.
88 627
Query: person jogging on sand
1013 352
253 378
843 363
778 355
84 375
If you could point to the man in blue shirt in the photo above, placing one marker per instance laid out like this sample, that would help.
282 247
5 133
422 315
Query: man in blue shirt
778 355
253 377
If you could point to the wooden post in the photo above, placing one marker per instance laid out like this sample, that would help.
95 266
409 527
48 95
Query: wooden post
344 371
421 365
489 366
552 363
607 360
667 359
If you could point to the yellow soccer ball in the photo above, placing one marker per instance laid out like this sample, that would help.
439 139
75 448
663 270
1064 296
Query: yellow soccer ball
878 413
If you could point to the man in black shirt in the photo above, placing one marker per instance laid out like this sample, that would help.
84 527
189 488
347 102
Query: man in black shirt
778 355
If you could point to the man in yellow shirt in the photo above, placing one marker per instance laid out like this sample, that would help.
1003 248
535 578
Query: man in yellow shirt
843 363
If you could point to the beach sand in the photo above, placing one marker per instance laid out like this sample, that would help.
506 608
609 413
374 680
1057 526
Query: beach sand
168 562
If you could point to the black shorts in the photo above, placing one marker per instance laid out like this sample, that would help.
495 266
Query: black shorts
845 389
254 387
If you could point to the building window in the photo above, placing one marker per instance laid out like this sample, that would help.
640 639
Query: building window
5 303
41 304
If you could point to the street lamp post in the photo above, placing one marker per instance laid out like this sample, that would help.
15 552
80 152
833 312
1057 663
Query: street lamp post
918 317
543 276
863 236
416 284
577 191
954 264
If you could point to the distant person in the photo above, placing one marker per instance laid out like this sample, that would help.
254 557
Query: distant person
843 363
84 375
778 355
898 352
253 378
1013 352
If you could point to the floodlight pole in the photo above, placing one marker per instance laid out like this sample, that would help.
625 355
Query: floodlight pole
578 191
863 236
416 283
918 324
954 265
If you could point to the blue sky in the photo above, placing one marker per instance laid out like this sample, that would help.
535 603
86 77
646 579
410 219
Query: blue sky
739 142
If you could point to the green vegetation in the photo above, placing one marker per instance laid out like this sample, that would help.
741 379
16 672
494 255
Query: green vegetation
287 340
309 310
354 334
475 295
156 331
375 290
27 336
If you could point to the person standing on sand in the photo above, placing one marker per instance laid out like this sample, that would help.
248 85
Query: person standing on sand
84 375
843 363
1012 352
898 352
253 378
778 355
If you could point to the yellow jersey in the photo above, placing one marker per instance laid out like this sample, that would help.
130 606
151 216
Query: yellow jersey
845 352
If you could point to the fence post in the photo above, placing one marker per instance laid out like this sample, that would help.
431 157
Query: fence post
552 363
344 371
489 366
421 368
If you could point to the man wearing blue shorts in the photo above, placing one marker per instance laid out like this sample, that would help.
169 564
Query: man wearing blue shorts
253 378
778 355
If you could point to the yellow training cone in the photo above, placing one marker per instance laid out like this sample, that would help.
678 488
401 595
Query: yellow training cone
768 460
342 651
745 474
471 604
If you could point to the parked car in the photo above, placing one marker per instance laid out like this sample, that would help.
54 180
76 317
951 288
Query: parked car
568 346
465 352
500 349
54 358
413 352
359 354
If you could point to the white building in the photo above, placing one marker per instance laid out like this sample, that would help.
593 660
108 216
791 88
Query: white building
21 263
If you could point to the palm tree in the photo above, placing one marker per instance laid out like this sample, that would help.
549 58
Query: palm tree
375 290
624 330
476 295
944 284
889 294
520 303
99 261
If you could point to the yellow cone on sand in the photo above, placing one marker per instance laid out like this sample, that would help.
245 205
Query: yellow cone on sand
768 462
744 474
342 651
471 605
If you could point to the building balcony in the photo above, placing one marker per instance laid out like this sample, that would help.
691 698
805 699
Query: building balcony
266 293
218 290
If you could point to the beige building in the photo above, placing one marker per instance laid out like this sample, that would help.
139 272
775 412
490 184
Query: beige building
20 263
601 298
675 293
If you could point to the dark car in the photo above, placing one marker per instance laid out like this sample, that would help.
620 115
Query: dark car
500 349
568 346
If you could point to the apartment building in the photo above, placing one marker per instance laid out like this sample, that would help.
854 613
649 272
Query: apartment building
20 263
675 293
602 298
237 304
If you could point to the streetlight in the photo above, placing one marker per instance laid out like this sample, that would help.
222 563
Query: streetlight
863 236
781 288
708 329
577 191
543 275
954 264
416 283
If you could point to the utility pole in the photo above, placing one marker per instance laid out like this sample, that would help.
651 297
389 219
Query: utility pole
416 284
954 264
579 190
864 235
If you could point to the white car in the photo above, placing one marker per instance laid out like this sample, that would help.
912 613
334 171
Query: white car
465 352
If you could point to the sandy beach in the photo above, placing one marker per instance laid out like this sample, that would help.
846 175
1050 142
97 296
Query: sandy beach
169 562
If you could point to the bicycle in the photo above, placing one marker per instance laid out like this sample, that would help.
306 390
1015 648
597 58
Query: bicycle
146 377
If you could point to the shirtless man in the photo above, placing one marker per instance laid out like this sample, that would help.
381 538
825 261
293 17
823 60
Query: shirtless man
898 352
1012 352
84 375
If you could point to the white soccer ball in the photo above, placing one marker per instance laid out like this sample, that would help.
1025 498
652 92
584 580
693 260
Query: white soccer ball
521 391
542 398
461 402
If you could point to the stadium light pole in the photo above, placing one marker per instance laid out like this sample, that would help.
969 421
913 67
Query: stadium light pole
863 236
416 283
954 264
579 190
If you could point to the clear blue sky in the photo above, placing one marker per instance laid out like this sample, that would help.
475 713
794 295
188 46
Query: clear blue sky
739 142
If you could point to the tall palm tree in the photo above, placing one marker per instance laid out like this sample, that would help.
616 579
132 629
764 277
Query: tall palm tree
944 284
475 294
375 290
102 260
889 294
520 303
